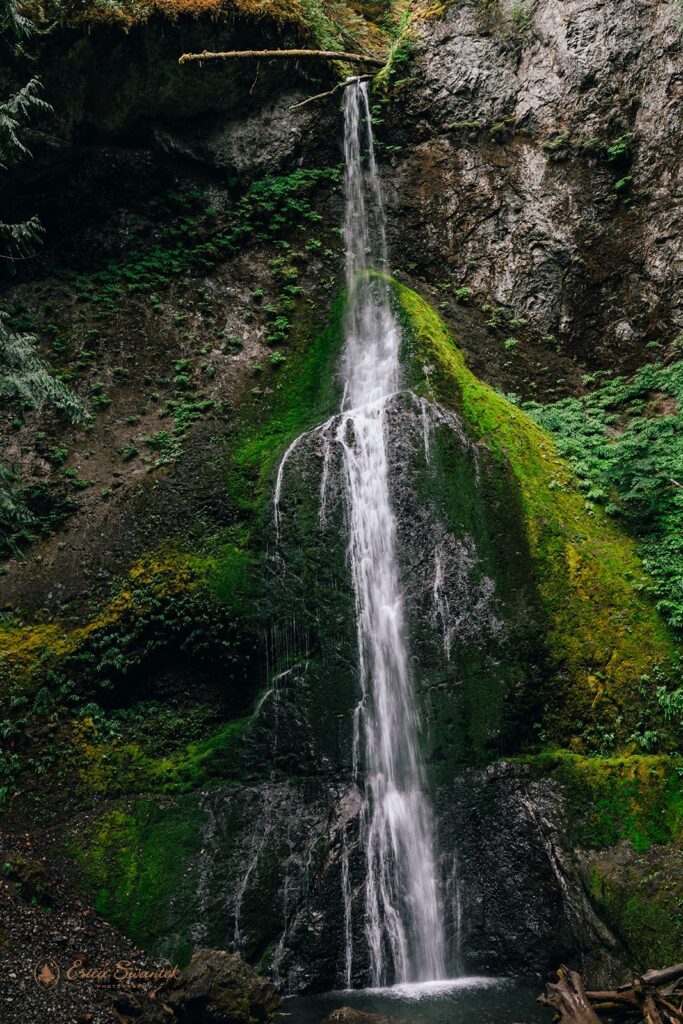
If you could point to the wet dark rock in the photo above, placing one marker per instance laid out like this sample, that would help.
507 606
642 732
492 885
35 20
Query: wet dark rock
509 865
31 879
219 988
141 1008
347 1015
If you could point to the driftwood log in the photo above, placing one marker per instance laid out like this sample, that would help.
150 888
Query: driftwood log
568 996
350 58
655 997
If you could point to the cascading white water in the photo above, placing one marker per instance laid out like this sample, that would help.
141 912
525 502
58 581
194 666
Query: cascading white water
404 925
403 908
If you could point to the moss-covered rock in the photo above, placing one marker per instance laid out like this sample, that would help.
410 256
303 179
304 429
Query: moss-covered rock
109 695
219 987
603 634
636 799
641 899
135 858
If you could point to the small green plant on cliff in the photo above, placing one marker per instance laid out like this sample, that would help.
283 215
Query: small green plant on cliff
521 17
393 74
620 150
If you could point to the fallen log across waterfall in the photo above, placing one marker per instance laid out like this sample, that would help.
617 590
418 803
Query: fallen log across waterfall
655 997
342 55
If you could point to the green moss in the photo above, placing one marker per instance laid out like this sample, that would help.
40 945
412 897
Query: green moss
626 813
155 587
486 696
229 574
135 861
643 908
603 632
113 766
306 392
217 757
638 799
173 609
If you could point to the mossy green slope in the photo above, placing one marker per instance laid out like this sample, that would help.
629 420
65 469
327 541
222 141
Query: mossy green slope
636 799
603 634
302 394
135 859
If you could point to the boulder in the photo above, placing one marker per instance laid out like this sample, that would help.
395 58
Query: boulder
30 878
140 1008
219 988
347 1015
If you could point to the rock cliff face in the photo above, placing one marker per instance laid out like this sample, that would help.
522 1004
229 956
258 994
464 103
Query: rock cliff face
189 676
540 166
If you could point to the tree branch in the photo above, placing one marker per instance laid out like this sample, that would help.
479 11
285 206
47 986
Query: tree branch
330 92
353 58
669 973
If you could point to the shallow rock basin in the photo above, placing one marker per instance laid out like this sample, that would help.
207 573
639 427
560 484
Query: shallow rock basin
456 1001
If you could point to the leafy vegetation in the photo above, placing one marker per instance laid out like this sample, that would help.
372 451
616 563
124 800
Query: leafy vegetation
78 685
624 439
13 19
395 71
25 381
19 240
327 24
193 238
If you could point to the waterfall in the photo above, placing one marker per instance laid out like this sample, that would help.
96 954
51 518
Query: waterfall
403 923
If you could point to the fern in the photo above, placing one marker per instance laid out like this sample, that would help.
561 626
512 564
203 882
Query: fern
19 240
22 240
628 456
13 18
17 522
25 379
15 114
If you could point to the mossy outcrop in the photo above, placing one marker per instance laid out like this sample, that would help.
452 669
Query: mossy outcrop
603 634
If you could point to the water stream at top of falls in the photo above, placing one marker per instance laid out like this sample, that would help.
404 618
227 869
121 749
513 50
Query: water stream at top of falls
403 920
